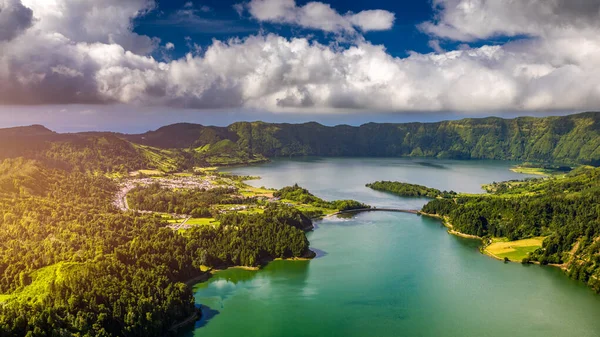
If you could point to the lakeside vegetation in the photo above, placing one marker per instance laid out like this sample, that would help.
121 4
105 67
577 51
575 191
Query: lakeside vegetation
563 209
542 170
314 206
518 250
71 263
409 190
230 193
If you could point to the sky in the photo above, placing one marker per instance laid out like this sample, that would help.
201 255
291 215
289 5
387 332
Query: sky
134 65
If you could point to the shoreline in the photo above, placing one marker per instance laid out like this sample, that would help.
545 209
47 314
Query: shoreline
208 274
197 314
198 279
311 254
205 276
488 253
483 249
450 227
531 171
193 318
215 270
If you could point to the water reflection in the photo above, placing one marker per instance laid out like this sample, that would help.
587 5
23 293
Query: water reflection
432 164
207 315
259 284
319 253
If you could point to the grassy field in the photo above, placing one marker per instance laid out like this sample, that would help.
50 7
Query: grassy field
540 170
514 250
211 169
249 191
40 283
310 209
202 222
531 170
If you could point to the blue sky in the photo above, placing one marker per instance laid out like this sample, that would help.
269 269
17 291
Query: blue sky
133 65
218 19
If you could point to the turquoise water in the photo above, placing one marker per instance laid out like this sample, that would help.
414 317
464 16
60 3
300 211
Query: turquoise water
391 274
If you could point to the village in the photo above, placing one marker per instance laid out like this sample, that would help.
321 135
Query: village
206 181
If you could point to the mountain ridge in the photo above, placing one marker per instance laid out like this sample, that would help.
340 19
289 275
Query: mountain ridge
572 139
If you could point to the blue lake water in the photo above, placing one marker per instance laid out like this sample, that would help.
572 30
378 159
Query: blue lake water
391 274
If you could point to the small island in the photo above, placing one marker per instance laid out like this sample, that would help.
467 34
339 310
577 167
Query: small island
409 190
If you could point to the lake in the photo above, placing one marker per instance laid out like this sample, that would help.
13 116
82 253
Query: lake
391 274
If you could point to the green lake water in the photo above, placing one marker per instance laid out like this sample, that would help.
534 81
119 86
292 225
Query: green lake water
391 274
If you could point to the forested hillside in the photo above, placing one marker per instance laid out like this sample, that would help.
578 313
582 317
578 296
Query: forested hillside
573 139
72 264
204 145
569 139
85 152
565 210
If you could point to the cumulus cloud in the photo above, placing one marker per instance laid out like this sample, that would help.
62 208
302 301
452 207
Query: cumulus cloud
14 19
435 45
319 15
554 69
91 21
370 20
469 20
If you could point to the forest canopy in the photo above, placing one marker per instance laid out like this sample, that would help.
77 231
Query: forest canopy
73 264
563 209
409 190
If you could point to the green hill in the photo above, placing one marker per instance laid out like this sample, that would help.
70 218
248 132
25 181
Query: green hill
22 176
572 139
104 152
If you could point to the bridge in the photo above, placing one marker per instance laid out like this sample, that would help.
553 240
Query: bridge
376 209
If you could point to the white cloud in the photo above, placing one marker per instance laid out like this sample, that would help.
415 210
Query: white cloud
373 20
435 45
107 21
558 69
169 46
319 15
239 8
469 20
